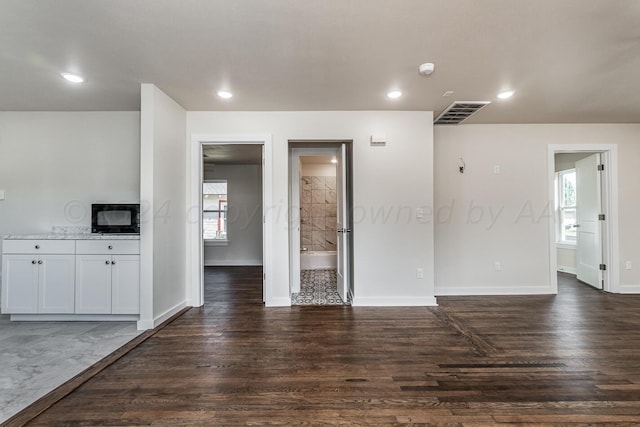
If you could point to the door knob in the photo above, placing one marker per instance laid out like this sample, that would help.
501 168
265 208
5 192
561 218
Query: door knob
39 261
113 263
37 246
110 247
33 262
107 262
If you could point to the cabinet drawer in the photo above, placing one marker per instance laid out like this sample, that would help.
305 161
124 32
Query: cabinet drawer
38 246
115 247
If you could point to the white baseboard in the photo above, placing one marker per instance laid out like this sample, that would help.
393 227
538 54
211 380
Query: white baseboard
565 269
143 325
393 301
278 302
481 290
168 313
629 289
233 263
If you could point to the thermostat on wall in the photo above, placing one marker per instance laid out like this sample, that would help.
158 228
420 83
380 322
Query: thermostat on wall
379 140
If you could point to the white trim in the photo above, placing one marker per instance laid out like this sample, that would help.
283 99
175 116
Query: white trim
391 301
567 246
278 302
610 228
214 242
565 269
629 289
481 289
194 253
168 313
75 317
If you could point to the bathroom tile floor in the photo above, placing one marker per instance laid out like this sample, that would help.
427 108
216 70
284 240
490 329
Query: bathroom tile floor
317 287
37 357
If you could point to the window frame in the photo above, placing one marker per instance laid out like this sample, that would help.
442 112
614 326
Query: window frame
220 211
561 239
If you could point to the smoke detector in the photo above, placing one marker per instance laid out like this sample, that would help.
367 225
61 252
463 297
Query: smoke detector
426 68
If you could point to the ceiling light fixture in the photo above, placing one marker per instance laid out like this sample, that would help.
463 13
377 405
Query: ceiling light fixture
334 160
225 94
73 78
426 68
394 94
506 94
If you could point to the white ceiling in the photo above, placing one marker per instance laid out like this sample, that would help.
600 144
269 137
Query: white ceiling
568 60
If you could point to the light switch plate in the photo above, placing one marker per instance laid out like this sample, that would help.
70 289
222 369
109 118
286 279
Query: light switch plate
1 194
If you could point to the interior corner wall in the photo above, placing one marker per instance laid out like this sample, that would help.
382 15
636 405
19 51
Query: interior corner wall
389 184
163 210
483 217
53 165
244 222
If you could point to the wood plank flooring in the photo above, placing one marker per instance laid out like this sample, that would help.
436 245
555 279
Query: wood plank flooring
571 359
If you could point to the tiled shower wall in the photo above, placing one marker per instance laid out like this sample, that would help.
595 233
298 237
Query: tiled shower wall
318 213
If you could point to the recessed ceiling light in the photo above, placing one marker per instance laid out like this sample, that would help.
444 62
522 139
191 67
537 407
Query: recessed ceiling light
73 78
394 94
506 94
225 94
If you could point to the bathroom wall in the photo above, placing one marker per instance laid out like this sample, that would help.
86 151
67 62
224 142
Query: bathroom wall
318 207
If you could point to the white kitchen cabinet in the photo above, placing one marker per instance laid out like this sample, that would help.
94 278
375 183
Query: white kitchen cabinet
108 277
38 278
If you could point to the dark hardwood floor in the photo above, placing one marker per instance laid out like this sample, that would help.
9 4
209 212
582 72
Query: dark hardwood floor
571 359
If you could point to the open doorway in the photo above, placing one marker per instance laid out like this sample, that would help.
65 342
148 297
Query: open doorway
583 240
320 229
230 195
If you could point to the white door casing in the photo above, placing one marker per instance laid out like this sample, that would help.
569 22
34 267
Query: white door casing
342 224
588 233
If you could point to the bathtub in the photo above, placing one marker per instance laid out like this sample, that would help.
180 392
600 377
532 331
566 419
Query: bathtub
317 260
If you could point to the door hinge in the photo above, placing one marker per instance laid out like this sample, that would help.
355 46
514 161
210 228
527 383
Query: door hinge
603 267
600 167
601 217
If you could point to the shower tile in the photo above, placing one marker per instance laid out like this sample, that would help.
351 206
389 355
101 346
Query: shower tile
330 182
318 224
305 212
318 196
331 197
306 197
331 211
317 182
330 238
330 224
306 239
318 210
306 182
318 241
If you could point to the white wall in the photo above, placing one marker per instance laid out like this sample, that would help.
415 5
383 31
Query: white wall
504 217
163 222
53 165
395 180
317 169
244 227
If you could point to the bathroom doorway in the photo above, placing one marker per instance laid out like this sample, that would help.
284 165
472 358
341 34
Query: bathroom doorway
320 231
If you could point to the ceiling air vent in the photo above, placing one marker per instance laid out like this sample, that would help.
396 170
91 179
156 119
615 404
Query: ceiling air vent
459 111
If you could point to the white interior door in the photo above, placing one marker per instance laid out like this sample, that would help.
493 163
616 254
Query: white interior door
588 207
342 224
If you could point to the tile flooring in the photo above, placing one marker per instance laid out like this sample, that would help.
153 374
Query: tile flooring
37 357
317 287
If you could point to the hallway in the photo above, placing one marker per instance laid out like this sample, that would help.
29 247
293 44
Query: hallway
570 358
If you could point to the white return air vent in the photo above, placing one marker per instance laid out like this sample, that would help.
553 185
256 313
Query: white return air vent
459 111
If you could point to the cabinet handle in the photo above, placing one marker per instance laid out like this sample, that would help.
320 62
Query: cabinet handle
39 261
33 262
37 246
110 247
113 262
107 262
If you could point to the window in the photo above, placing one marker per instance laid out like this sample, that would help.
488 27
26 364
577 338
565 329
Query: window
214 210
566 205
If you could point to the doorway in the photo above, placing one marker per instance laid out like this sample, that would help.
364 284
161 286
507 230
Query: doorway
225 170
320 223
583 236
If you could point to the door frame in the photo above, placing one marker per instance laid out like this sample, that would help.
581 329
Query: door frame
609 231
195 244
302 148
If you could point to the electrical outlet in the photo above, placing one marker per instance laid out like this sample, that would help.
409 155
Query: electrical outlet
419 273
628 265
419 213
496 169
498 266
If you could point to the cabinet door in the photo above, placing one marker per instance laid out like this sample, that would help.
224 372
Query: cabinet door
125 284
93 284
56 284
20 284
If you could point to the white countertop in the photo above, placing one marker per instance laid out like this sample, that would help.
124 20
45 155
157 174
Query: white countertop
76 236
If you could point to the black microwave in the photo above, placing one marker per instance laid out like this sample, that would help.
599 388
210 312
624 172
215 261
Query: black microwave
115 218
